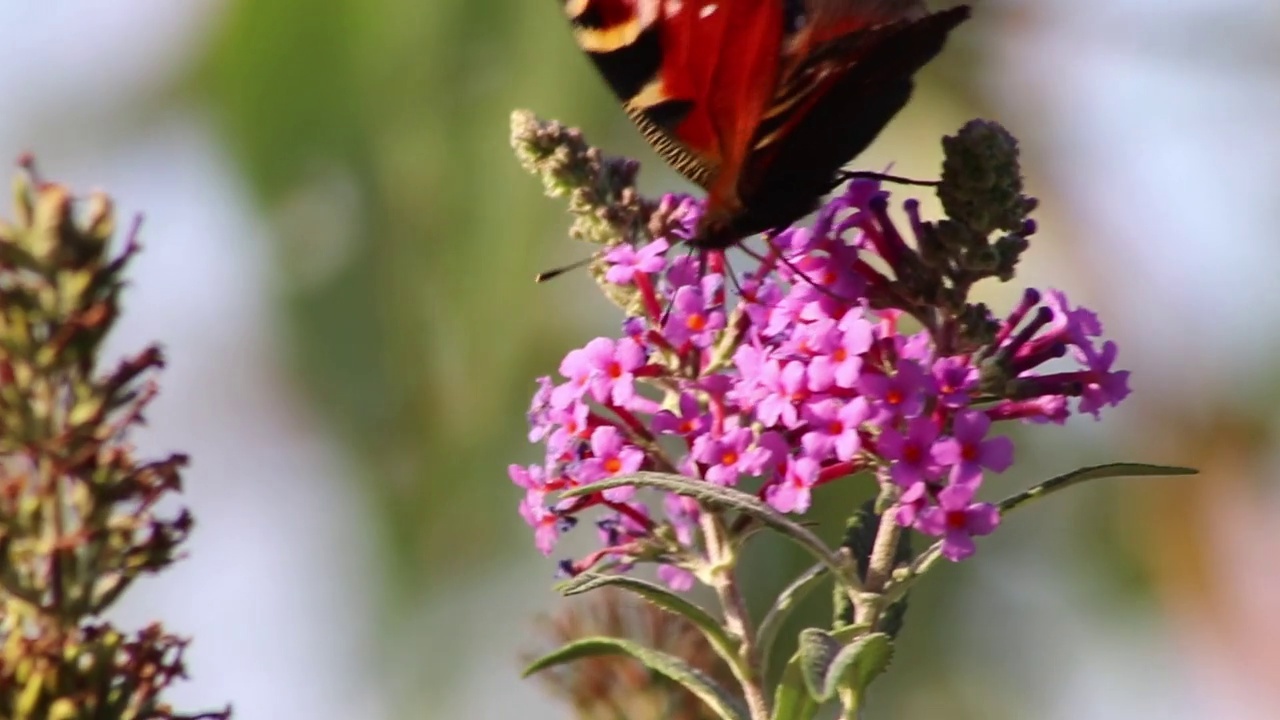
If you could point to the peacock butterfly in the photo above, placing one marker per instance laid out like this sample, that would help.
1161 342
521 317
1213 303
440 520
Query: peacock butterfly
760 102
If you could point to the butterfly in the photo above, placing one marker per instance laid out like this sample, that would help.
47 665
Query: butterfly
759 102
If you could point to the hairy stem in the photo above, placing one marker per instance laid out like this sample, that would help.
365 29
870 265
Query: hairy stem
723 559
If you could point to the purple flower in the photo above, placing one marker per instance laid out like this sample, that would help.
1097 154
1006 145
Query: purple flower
785 388
539 410
833 428
807 374
793 492
955 380
1103 387
691 318
691 420
900 395
577 368
912 455
611 366
731 455
676 578
957 521
611 456
546 523
571 427
913 500
968 452
841 363
530 477
625 261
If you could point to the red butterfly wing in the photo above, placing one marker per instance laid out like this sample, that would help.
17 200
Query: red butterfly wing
759 101
695 75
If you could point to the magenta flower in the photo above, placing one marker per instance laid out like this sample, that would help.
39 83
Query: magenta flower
833 428
956 381
967 452
691 420
822 365
956 520
693 317
676 578
913 456
547 524
785 388
611 367
792 494
841 363
910 504
897 396
611 456
1102 387
625 261
731 455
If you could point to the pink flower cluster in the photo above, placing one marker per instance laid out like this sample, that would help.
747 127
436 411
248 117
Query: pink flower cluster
796 378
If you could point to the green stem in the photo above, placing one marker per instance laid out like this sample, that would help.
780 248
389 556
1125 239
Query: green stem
722 555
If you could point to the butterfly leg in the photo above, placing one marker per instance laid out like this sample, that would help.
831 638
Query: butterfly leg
845 175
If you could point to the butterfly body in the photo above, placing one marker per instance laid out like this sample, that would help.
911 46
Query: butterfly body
760 102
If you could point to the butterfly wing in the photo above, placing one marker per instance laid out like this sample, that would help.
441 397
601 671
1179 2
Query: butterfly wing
833 99
695 75
759 101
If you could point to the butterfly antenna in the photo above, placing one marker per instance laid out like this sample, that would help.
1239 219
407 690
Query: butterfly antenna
845 175
554 273
799 273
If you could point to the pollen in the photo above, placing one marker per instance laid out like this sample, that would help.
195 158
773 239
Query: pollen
696 322
729 458
613 465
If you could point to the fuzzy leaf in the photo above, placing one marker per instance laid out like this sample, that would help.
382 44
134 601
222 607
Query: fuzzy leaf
726 706
791 700
857 664
1094 472
725 646
726 497
787 600
818 650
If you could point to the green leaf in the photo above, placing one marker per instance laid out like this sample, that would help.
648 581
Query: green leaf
827 664
1094 472
695 681
818 650
792 701
716 496
858 663
791 596
725 646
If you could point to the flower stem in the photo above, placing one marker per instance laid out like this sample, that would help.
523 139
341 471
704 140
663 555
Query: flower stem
879 571
722 556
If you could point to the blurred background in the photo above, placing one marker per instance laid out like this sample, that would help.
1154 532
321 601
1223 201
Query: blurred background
339 253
